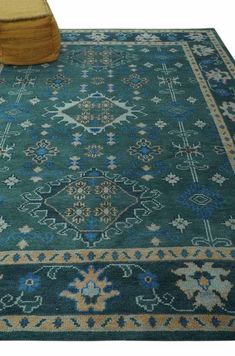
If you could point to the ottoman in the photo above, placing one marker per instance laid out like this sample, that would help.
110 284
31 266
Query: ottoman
28 32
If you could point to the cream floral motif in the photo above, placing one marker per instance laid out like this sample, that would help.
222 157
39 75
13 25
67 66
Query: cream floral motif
91 292
98 36
106 212
219 179
160 124
172 179
180 223
3 224
26 124
196 36
145 36
230 223
207 285
94 151
218 75
200 124
106 189
229 110
202 50
25 229
6 153
11 181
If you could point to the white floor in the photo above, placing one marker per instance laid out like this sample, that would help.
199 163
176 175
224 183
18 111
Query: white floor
149 14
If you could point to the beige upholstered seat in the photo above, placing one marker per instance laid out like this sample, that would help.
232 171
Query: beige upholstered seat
28 32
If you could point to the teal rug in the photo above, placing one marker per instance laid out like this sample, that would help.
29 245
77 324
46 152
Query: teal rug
117 204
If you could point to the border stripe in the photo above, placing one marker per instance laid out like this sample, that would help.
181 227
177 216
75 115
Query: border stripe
117 323
116 255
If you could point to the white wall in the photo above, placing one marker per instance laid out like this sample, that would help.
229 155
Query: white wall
219 14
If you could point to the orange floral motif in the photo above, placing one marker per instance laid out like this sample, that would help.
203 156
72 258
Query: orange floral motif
91 292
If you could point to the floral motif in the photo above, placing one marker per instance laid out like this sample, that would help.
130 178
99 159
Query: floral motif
91 291
200 124
172 179
148 280
218 75
207 285
145 36
42 150
6 152
29 283
219 179
196 36
229 110
26 124
98 36
58 81
202 50
180 223
79 190
11 181
3 224
106 189
144 150
230 223
135 81
106 212
94 151
25 229
34 101
160 124
79 212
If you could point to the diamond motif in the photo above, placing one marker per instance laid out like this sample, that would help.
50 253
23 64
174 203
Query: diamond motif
201 200
94 113
92 206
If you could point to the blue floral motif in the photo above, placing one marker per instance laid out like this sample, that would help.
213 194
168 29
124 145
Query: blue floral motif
29 283
148 280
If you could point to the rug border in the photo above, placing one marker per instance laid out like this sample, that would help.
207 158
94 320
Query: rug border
119 336
223 45
129 336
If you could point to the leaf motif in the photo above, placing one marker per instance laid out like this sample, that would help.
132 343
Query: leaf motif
53 272
127 270
29 305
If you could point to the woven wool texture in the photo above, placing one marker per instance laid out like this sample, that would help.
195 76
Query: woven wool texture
117 212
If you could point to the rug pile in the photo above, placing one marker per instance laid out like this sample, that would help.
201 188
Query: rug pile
117 212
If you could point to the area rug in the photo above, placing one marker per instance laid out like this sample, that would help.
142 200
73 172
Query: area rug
117 204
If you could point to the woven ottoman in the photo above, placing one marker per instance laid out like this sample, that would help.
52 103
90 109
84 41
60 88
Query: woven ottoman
28 32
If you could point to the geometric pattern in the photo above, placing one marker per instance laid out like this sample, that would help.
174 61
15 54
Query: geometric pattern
94 113
117 163
92 206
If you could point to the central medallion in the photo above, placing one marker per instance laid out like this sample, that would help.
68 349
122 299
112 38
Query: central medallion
93 113
92 206
92 203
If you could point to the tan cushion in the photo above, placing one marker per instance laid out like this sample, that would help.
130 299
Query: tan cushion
28 32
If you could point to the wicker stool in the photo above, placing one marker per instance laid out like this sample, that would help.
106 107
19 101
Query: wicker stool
28 32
